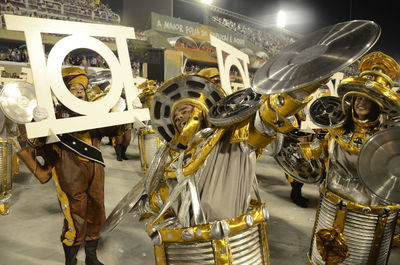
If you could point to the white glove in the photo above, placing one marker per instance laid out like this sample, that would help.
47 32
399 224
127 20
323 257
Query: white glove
40 113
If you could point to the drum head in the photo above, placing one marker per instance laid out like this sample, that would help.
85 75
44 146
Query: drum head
316 57
17 101
378 164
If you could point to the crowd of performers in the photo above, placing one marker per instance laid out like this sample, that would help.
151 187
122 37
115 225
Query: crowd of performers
199 196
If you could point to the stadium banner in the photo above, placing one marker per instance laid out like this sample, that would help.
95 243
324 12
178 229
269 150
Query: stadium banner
196 31
48 81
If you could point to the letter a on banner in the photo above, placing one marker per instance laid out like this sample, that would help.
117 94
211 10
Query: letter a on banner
48 80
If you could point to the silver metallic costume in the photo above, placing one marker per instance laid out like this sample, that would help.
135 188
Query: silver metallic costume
353 225
196 194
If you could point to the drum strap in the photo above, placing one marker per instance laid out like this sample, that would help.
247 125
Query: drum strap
81 148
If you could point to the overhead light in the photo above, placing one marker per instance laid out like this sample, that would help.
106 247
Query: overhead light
207 2
281 19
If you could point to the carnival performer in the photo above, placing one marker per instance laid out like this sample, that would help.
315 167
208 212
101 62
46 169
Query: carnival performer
353 226
121 145
197 190
77 168
8 161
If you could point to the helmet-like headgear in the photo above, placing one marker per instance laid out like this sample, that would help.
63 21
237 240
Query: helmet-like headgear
377 72
197 91
210 73
148 89
75 75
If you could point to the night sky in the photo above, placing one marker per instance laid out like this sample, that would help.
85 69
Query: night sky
305 16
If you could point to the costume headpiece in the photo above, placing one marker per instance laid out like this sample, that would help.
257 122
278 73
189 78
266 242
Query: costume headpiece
75 75
377 72
195 90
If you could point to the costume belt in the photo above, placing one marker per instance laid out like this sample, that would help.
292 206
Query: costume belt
81 148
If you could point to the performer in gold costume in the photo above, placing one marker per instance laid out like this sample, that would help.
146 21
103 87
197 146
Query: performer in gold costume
353 226
200 195
198 189
8 161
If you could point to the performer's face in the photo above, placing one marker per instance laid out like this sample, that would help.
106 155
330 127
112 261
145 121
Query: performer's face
182 115
78 91
362 107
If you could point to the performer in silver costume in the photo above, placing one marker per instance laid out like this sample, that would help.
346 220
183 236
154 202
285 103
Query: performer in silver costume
191 216
354 226
200 195
8 161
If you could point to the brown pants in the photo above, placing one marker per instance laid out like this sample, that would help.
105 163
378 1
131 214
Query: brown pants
80 191
124 139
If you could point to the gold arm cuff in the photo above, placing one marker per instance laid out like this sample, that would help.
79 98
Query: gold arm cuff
257 139
311 151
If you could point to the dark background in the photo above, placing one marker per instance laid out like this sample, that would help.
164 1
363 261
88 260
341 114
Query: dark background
303 16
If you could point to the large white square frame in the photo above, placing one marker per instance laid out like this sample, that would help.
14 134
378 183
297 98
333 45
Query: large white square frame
47 75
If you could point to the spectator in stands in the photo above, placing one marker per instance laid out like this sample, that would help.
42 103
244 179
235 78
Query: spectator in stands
2 55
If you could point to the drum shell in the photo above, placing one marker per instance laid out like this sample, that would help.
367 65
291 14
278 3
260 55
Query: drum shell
245 244
361 230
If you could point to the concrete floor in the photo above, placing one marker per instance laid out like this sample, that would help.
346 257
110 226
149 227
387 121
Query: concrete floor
29 235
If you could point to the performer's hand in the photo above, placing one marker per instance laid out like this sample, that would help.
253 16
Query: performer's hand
40 113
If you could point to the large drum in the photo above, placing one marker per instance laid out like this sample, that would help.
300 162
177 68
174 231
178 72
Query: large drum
349 233
240 241
8 167
148 143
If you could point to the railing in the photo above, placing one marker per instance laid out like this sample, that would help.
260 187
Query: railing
53 9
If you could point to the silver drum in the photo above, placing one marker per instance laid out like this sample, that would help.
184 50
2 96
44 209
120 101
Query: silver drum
367 230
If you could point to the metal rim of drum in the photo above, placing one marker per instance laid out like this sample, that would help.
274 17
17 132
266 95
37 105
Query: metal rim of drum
223 114
180 87
326 109
378 164
315 57
17 101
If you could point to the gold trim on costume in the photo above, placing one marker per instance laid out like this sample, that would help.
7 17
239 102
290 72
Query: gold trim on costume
197 158
70 234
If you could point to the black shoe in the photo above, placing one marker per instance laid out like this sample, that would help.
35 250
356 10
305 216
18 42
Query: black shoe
70 254
91 253
123 152
296 196
299 200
